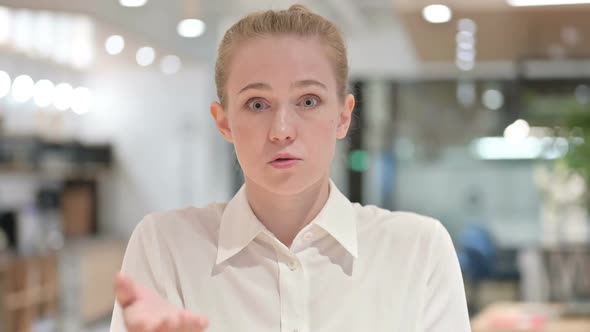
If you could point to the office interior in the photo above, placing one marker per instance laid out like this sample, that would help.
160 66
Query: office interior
476 113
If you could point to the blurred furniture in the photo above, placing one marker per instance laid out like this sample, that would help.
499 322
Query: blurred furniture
568 272
482 261
88 269
558 273
28 291
79 208
530 317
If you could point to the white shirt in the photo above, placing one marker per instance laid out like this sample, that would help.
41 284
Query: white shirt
353 268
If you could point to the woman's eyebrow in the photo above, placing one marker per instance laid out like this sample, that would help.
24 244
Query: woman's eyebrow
306 83
297 84
256 86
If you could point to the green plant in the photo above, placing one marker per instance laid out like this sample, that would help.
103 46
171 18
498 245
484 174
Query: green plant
577 159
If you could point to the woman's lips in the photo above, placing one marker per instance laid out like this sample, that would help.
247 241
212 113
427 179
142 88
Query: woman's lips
282 163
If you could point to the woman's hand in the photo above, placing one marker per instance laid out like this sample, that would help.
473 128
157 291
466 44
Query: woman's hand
145 311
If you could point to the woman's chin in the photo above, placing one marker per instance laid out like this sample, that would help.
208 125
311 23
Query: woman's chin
286 184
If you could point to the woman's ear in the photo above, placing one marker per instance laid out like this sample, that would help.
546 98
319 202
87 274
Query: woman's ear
221 120
345 117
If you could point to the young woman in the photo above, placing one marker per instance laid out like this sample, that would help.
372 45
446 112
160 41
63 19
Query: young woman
289 252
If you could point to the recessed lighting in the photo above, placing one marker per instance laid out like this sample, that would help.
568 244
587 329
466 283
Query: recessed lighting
63 96
466 55
44 93
465 65
132 3
5 24
493 99
530 3
114 44
570 35
466 24
465 38
437 13
145 56
191 28
170 64
517 131
22 88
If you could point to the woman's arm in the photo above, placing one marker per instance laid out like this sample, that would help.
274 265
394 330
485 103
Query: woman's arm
142 305
141 263
445 307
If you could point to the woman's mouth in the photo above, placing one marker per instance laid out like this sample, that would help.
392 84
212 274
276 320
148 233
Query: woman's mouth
284 162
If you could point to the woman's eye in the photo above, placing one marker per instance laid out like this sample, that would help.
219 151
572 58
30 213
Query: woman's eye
310 102
256 105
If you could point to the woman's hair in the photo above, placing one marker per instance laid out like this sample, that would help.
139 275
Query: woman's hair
297 20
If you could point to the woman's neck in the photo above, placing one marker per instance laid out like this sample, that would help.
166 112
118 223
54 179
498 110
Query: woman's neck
285 216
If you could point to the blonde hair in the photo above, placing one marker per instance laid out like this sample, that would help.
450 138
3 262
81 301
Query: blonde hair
297 20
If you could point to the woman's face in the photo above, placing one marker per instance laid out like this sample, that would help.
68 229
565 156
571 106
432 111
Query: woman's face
283 113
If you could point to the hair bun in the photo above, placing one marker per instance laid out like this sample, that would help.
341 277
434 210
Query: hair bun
299 8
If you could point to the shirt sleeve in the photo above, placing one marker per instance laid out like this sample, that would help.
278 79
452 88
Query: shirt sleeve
141 263
445 306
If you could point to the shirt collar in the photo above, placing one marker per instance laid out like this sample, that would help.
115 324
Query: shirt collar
338 218
239 226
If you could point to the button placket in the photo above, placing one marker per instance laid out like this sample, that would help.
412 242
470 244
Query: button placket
293 265
292 282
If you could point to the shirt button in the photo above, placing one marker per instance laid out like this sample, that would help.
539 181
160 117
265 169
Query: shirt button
292 265
308 236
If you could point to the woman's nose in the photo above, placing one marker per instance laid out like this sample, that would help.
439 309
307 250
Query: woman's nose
283 127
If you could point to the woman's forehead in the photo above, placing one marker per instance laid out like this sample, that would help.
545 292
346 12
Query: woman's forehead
280 60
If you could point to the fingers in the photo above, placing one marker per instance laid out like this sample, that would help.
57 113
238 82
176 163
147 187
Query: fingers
145 312
125 290
171 321
195 323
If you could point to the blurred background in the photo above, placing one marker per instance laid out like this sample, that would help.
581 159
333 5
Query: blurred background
476 113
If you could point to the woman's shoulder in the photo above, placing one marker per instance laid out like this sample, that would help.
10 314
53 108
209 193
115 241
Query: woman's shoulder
407 223
185 220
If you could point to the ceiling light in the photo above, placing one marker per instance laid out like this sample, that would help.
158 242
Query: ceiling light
22 30
465 65
493 99
437 13
528 3
517 131
114 44
170 64
132 3
145 56
464 37
5 24
63 96
43 95
467 56
570 35
44 36
466 93
22 88
466 24
191 28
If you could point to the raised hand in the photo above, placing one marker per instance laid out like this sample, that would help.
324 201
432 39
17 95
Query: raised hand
145 311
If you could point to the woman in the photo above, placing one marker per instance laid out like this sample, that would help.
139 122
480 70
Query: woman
289 252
